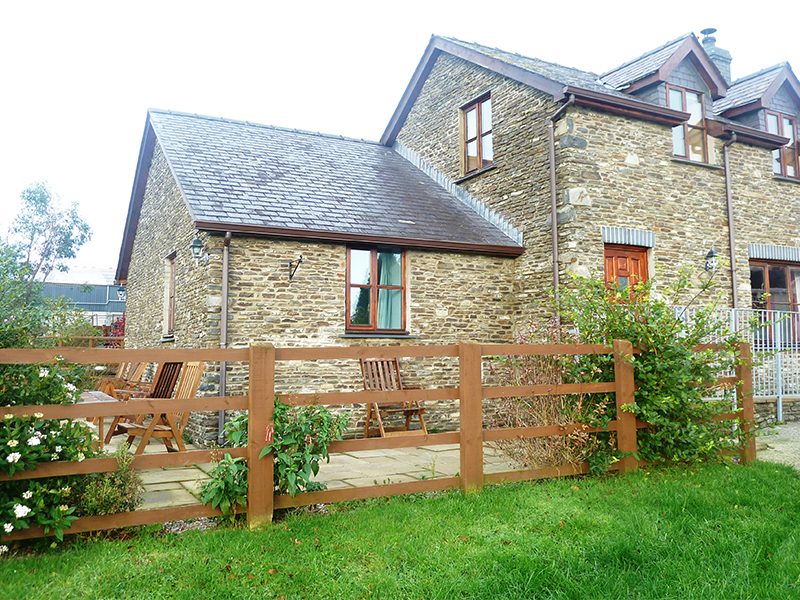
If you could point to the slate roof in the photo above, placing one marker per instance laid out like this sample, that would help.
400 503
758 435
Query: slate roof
553 71
233 172
638 68
748 89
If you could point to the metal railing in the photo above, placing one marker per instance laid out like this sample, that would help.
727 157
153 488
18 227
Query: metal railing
774 337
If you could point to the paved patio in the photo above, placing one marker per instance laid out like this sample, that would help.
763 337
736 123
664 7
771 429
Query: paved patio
180 486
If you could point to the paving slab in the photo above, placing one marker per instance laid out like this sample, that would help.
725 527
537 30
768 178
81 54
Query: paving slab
168 499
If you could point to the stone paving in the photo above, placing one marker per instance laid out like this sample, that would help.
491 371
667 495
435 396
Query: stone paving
180 486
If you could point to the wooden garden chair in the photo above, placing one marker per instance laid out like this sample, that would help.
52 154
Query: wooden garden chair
162 386
168 426
128 376
383 374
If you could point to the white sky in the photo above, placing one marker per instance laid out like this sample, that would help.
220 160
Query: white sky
77 77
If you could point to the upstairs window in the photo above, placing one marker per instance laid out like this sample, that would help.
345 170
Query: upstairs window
168 322
689 138
784 160
478 149
375 290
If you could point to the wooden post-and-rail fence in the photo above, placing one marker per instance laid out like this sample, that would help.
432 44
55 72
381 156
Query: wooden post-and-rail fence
262 359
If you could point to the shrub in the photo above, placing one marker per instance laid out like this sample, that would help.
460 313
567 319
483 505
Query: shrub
675 385
299 440
113 492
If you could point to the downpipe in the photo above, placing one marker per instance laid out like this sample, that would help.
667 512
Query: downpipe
223 335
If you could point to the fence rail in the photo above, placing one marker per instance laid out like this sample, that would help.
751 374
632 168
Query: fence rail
261 499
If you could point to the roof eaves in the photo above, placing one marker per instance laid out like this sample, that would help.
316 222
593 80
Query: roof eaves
510 250
438 45
624 105
137 197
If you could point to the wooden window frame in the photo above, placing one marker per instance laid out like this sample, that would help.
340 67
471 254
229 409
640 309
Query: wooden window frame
170 304
794 299
701 126
782 154
374 286
482 162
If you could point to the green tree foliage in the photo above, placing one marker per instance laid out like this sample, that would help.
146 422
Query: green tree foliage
46 234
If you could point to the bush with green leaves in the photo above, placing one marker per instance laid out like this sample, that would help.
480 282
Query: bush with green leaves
299 441
115 491
675 391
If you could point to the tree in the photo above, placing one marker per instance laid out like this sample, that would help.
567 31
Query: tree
45 234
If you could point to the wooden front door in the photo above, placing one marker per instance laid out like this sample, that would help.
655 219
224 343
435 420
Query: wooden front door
625 265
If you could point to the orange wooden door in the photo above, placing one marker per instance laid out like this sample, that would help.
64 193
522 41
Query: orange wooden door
625 265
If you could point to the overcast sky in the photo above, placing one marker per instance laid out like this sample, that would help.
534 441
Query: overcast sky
78 77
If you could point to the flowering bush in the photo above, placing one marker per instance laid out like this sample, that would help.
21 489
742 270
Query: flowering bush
27 441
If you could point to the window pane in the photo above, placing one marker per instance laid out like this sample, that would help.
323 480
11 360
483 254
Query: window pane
675 100
360 306
758 287
778 288
795 275
486 149
390 269
472 155
360 266
472 124
694 107
772 124
486 116
678 141
697 149
788 130
776 162
622 282
390 306
791 161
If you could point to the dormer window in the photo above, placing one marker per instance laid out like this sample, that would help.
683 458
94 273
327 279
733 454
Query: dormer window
689 138
478 149
784 160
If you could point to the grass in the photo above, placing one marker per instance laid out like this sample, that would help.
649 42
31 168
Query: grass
706 531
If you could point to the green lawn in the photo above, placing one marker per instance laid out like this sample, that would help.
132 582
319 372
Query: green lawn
709 531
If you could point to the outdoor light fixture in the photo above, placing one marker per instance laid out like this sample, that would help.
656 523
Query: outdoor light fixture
711 260
198 252
293 264
122 294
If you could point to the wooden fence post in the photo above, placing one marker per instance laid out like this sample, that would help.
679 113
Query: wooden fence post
261 405
471 416
744 401
626 421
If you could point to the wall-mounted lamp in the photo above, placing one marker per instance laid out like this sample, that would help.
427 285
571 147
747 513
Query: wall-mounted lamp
198 252
293 264
122 294
711 260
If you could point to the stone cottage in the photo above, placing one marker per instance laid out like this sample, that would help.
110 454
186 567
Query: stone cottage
443 230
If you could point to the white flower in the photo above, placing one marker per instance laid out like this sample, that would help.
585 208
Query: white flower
8 417
21 511
14 457
54 457
64 508
12 443
44 373
34 441
58 448
70 387
81 456
8 527
38 415
65 490
3 549
27 495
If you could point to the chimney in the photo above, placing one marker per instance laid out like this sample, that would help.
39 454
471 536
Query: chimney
720 57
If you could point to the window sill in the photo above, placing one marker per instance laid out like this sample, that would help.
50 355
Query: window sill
398 336
469 176
784 178
686 161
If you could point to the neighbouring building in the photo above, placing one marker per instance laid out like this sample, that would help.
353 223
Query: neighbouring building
443 230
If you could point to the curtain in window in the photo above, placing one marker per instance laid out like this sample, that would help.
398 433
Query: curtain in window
390 272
